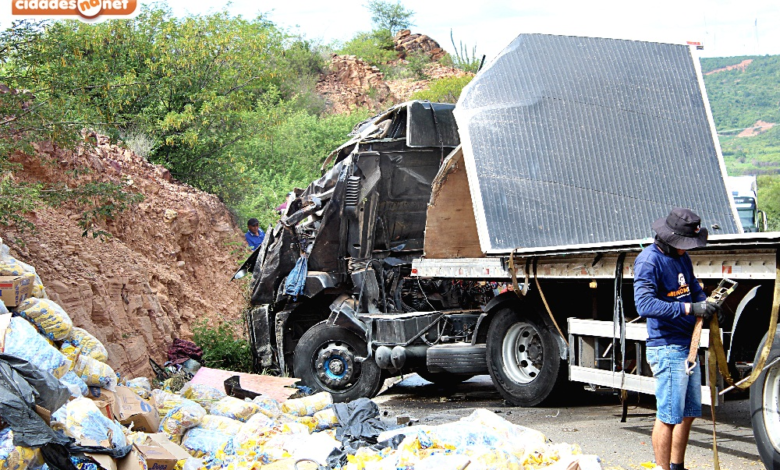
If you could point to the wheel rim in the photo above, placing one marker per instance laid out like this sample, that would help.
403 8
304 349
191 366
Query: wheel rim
522 352
335 366
772 406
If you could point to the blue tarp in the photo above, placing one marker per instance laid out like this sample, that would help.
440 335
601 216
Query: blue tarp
296 280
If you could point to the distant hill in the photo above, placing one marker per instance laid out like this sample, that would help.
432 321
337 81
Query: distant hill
744 94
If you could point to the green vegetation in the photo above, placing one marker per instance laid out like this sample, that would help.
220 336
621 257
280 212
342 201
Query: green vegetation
738 100
375 47
223 347
389 16
443 90
209 97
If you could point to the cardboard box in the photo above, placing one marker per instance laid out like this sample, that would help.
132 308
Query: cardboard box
130 408
15 289
103 460
159 454
105 401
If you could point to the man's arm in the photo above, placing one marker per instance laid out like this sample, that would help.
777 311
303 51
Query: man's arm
646 297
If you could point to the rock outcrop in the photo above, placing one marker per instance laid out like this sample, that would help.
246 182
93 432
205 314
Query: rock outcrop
351 82
407 43
166 266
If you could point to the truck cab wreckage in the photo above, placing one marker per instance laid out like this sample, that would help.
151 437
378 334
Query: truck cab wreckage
498 236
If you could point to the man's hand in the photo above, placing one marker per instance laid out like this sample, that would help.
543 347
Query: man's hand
706 310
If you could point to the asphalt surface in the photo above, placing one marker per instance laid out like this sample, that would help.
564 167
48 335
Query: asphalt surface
589 419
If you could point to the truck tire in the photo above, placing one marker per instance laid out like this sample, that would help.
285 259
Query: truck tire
326 360
765 409
523 358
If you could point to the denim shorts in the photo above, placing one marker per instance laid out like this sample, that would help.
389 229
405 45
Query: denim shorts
677 394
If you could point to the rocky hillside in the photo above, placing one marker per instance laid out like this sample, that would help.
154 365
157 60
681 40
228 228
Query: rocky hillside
166 267
350 82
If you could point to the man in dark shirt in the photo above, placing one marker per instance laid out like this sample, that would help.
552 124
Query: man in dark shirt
254 236
670 297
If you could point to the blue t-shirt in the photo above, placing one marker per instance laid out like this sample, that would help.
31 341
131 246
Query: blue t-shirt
254 240
662 284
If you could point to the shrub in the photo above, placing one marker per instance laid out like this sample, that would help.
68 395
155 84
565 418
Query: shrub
223 348
375 47
443 90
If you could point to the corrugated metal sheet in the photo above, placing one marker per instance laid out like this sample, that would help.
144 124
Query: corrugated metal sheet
575 140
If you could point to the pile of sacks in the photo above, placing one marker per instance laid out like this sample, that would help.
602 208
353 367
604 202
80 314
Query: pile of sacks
135 427
41 332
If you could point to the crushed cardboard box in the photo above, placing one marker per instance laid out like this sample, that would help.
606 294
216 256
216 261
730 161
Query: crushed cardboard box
128 408
159 454
15 289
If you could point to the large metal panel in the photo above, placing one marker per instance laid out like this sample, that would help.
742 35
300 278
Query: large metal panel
575 140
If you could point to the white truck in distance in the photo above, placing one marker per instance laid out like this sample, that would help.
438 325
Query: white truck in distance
744 191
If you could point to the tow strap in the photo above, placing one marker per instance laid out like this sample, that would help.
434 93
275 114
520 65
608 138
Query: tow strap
717 361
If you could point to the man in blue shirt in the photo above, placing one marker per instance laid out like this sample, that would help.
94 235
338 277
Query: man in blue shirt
670 297
254 236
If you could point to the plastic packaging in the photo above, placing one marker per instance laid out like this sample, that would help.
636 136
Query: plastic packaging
83 421
88 344
307 406
22 340
180 419
222 424
193 464
201 442
141 386
268 406
166 401
232 407
93 372
326 419
17 457
256 426
308 421
74 383
49 317
204 395
3 308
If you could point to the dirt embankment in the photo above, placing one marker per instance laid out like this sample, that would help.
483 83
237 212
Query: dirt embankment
166 267
740 66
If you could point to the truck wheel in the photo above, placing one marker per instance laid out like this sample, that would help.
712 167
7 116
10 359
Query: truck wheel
325 359
523 358
444 379
765 410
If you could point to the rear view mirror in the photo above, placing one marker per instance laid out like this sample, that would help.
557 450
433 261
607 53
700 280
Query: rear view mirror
241 273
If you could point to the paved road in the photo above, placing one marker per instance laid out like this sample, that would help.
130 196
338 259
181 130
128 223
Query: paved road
591 420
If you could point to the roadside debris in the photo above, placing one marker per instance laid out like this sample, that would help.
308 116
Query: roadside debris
62 407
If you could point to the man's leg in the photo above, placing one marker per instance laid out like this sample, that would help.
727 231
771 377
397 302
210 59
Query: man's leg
680 440
663 435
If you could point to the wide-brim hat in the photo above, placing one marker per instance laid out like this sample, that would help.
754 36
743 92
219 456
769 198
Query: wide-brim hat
681 229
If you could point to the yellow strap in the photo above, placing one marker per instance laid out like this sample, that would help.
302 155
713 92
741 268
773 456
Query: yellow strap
549 312
717 358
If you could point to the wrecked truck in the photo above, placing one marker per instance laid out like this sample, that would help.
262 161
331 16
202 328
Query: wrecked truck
498 236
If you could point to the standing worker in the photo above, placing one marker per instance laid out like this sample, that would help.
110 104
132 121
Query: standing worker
670 297
254 236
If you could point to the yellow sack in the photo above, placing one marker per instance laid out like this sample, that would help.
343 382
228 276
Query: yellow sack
235 408
222 424
326 419
268 406
166 401
88 344
22 340
17 457
307 406
49 317
180 419
201 394
93 372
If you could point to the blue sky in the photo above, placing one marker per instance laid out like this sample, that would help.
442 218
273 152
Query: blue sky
726 27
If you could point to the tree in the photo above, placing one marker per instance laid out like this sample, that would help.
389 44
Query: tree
389 16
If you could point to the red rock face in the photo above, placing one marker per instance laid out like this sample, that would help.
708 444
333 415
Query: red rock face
407 43
167 266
